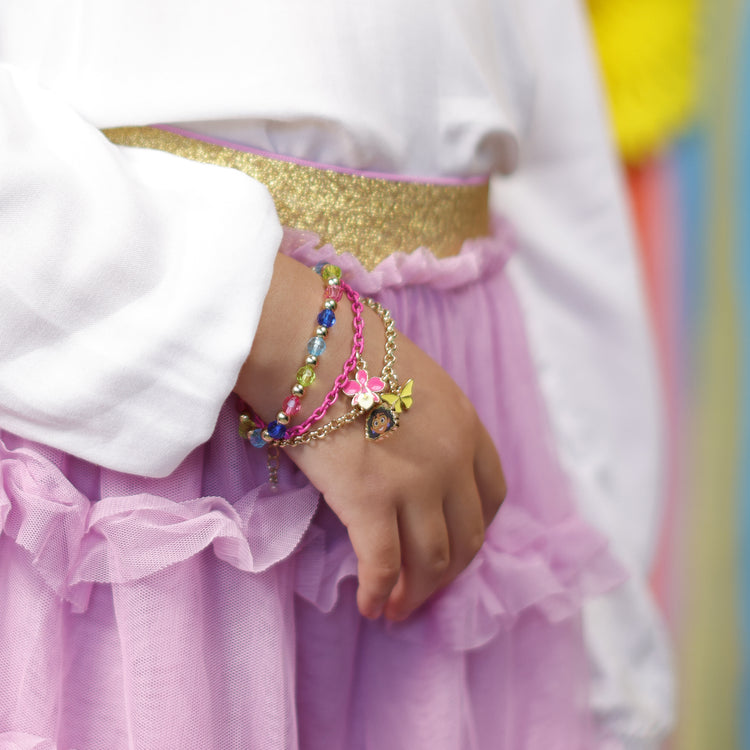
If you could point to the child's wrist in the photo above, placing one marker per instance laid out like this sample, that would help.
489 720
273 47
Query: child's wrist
288 321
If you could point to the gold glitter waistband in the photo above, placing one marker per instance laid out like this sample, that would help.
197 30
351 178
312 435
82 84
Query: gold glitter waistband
369 217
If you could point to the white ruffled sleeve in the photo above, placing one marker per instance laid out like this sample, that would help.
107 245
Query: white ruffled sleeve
131 285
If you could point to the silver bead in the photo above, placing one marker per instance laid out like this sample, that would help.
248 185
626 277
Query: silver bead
311 359
282 418
333 282
330 304
298 390
321 331
266 437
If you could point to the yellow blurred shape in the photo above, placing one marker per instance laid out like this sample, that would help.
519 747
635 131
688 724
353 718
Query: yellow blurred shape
648 52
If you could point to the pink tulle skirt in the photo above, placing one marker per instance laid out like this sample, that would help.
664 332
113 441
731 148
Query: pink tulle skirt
205 611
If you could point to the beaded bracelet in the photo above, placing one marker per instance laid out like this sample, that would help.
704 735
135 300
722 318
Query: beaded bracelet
252 427
358 343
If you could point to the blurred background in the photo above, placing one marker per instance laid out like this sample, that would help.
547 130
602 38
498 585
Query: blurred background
677 73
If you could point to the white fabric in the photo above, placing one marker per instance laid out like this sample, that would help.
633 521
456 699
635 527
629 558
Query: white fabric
132 282
579 283
445 82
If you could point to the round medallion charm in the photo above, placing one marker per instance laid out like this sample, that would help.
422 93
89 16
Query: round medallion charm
380 422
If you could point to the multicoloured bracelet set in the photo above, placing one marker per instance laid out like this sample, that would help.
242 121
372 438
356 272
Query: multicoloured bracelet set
379 399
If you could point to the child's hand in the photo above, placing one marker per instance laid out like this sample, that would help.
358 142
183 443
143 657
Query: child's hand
416 504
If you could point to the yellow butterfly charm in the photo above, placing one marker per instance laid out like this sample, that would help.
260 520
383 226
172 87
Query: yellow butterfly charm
402 399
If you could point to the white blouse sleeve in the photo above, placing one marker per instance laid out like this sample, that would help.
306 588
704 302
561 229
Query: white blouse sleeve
131 285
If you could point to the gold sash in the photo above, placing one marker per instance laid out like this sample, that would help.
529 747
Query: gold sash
369 217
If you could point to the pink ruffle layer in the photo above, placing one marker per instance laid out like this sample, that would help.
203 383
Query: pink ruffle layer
202 610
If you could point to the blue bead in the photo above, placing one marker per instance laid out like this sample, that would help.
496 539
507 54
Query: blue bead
326 318
316 346
256 439
276 430
320 266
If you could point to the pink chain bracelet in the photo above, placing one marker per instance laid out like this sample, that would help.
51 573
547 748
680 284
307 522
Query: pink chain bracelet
349 365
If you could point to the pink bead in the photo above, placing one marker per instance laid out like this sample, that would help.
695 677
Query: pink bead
291 406
334 293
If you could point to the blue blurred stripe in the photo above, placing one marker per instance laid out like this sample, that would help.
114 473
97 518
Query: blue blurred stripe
689 161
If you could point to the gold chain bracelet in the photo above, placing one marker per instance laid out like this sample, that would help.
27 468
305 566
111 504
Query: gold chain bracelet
381 420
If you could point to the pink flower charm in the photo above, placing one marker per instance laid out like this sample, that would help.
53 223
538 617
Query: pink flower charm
364 390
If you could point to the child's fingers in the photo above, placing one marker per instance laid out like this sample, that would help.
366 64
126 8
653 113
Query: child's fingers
465 521
425 553
376 543
488 472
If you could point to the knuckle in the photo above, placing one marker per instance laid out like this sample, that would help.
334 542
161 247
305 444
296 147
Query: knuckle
376 492
496 497
383 576
464 406
474 544
438 559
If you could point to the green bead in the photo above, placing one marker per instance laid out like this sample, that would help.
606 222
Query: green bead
306 375
246 421
330 272
247 424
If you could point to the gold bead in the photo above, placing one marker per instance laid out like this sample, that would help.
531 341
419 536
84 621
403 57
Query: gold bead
298 390
321 331
330 304
282 417
311 359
